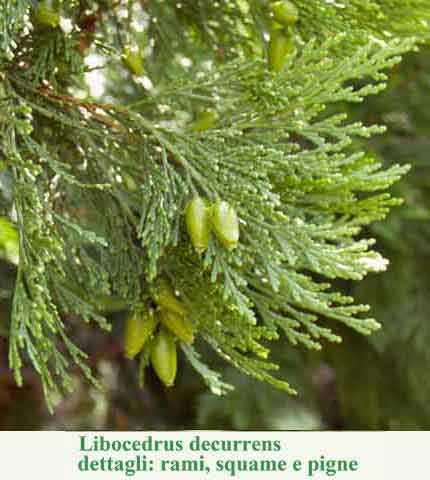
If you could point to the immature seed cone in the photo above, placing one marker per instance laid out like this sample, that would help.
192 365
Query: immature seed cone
132 59
225 224
198 223
281 44
177 324
144 361
139 327
44 16
285 13
164 357
205 120
166 299
109 304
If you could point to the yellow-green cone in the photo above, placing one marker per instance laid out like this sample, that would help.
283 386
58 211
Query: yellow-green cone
45 16
225 224
285 13
177 324
164 357
139 327
205 120
108 304
132 59
198 223
281 44
166 299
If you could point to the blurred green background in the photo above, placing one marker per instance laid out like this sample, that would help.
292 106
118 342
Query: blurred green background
380 382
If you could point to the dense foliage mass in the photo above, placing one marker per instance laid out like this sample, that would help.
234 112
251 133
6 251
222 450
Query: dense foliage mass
210 102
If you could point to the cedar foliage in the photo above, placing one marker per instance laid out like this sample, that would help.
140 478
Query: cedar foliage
96 187
396 359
